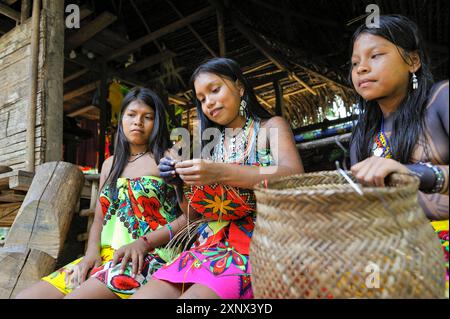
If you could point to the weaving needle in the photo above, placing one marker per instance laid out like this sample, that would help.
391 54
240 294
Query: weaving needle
348 179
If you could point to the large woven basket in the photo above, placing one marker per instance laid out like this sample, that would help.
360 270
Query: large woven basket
315 237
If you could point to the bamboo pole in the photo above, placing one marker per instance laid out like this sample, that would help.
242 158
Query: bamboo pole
30 141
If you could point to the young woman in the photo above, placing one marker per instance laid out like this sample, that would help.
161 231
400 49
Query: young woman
404 119
136 212
219 188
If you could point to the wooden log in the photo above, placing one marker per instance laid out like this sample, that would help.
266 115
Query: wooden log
45 215
20 267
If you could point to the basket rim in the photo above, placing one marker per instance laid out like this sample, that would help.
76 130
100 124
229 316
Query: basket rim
259 187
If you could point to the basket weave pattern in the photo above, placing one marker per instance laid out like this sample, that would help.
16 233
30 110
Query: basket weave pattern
315 237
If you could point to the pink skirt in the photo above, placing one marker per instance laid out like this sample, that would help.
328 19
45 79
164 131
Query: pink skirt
219 268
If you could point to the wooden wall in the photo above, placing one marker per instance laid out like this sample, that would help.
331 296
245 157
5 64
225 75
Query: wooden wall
15 50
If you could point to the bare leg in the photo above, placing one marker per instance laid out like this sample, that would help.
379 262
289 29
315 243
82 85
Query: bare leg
158 289
40 290
92 289
198 291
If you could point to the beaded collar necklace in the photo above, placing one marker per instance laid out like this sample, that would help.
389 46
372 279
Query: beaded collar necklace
244 143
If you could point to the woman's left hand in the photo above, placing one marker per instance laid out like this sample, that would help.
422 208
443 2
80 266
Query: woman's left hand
373 170
134 252
198 172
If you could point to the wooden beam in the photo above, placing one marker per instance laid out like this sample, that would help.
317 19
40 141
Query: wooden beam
221 33
82 110
318 86
75 75
25 10
199 38
144 22
344 138
9 2
90 30
85 12
262 46
324 22
148 62
82 90
258 67
10 13
135 45
323 77
178 100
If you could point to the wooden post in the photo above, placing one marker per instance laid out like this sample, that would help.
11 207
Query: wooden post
25 11
52 78
103 119
279 109
31 123
221 33
39 231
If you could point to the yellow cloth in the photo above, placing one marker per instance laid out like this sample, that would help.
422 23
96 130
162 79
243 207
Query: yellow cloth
58 278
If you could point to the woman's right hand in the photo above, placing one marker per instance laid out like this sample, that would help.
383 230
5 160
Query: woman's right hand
167 171
76 275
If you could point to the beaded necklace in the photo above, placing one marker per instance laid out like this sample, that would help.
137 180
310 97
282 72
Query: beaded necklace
139 155
381 146
242 146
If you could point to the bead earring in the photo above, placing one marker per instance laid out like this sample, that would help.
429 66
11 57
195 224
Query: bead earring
415 82
243 108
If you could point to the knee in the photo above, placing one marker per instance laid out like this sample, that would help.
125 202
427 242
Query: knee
27 293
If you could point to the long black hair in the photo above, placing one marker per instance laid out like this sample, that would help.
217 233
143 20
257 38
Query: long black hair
409 118
158 142
229 69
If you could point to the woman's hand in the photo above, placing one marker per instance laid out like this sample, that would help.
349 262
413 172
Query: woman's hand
198 172
76 275
136 251
167 171
373 170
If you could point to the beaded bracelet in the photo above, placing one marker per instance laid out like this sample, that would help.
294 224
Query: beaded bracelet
439 175
170 231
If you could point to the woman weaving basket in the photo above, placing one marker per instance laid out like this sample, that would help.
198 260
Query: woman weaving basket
219 189
404 118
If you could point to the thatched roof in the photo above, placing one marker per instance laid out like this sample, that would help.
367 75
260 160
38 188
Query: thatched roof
302 45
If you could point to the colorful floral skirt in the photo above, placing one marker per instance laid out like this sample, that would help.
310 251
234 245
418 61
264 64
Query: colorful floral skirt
220 268
441 229
123 285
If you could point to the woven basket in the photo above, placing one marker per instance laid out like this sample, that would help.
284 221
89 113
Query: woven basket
315 237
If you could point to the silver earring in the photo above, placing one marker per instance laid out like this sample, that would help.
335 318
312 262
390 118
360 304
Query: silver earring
243 108
415 82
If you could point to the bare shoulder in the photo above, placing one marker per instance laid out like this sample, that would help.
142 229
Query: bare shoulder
107 164
439 95
276 122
